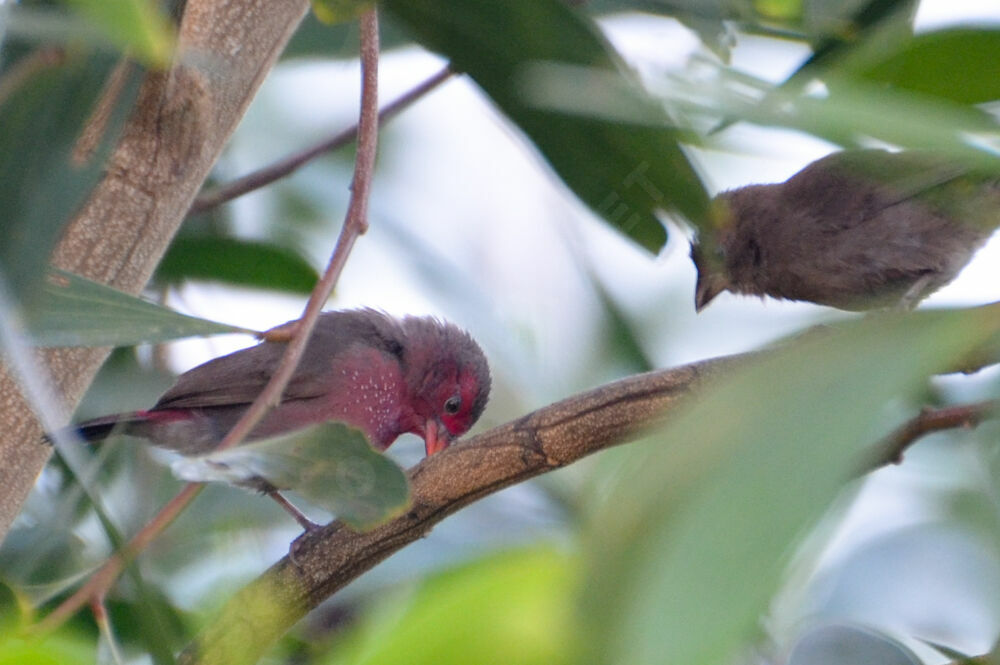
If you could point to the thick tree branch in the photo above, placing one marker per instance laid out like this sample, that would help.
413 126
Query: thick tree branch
552 437
181 122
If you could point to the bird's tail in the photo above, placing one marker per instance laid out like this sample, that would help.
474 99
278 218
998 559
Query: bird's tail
98 429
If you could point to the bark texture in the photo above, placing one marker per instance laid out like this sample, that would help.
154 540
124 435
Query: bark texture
180 124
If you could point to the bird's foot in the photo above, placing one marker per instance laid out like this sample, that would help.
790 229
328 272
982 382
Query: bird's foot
307 524
295 547
915 294
290 508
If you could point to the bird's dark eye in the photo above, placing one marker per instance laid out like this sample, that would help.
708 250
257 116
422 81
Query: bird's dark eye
453 405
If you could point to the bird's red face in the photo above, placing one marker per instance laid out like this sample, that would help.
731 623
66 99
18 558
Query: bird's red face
452 403
460 411
447 378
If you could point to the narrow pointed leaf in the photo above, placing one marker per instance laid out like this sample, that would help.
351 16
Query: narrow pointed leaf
331 465
239 262
959 64
73 311
698 525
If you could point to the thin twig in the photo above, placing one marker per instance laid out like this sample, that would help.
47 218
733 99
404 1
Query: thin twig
930 420
355 224
265 176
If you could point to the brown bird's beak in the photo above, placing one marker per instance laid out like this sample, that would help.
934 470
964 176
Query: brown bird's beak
436 437
706 289
711 282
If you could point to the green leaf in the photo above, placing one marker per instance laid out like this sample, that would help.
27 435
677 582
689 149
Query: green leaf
41 186
332 12
512 607
74 311
624 171
150 620
959 64
855 111
852 111
13 609
137 27
331 465
63 648
235 261
839 28
692 540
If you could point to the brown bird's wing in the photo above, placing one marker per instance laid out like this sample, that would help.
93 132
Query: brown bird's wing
239 377
894 223
847 188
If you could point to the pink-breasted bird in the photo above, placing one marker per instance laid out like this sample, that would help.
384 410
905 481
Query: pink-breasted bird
385 376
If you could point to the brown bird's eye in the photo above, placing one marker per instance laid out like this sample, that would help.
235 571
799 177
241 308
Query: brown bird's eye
453 405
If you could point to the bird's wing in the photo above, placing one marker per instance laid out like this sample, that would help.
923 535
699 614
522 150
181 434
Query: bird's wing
854 186
238 378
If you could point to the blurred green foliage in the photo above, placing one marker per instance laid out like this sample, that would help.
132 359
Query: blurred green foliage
507 608
235 261
60 650
137 27
957 64
624 172
780 457
709 541
73 311
332 12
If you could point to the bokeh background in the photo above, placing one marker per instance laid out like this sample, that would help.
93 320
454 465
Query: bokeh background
468 223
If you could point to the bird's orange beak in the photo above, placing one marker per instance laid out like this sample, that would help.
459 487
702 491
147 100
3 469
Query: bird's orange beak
436 437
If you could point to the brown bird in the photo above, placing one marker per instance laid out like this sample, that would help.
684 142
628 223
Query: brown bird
856 230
